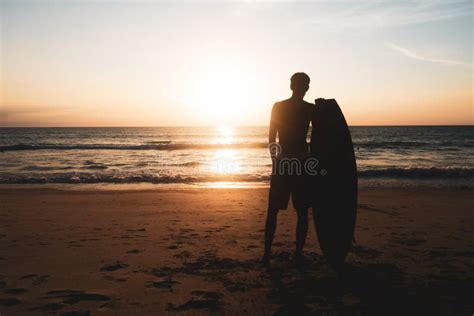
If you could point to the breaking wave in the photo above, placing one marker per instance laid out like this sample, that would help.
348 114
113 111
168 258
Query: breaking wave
154 146
168 145
143 177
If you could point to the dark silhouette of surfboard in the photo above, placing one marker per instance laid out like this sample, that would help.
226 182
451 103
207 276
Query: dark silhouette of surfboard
334 189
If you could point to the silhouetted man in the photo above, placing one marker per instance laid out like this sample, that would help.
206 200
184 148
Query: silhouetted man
290 121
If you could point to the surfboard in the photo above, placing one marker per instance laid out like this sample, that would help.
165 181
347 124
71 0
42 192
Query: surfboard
334 189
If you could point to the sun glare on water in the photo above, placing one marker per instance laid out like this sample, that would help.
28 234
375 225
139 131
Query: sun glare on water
225 135
224 161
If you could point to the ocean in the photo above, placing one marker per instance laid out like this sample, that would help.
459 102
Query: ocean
394 156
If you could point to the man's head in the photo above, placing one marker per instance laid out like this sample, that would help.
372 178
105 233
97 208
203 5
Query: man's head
299 84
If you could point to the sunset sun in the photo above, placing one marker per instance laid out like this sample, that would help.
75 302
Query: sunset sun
224 91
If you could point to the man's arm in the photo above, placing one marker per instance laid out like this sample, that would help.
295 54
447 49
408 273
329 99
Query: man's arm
314 114
273 146
272 134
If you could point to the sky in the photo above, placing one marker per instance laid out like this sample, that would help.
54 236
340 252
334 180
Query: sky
184 63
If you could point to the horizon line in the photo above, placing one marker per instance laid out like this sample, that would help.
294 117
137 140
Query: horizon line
217 126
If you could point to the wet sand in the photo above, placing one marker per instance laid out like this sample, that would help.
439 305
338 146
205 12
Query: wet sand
197 251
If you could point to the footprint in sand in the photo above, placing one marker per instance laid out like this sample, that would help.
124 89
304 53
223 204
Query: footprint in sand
9 301
137 230
75 244
76 313
16 291
37 279
205 300
75 296
134 251
183 254
111 278
48 307
114 266
163 283
208 294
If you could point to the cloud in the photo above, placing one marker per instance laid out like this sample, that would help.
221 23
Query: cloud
31 109
372 14
411 54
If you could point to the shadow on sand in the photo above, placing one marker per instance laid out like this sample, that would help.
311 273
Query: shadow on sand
361 289
366 289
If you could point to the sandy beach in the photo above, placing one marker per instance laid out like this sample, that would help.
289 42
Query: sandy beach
196 251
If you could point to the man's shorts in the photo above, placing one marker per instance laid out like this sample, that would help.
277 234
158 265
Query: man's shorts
284 183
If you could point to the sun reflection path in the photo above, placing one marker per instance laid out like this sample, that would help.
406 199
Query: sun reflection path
225 135
224 161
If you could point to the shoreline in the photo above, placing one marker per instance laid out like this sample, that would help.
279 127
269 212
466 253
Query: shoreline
396 184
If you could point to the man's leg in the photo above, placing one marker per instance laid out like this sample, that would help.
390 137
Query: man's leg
270 227
301 231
